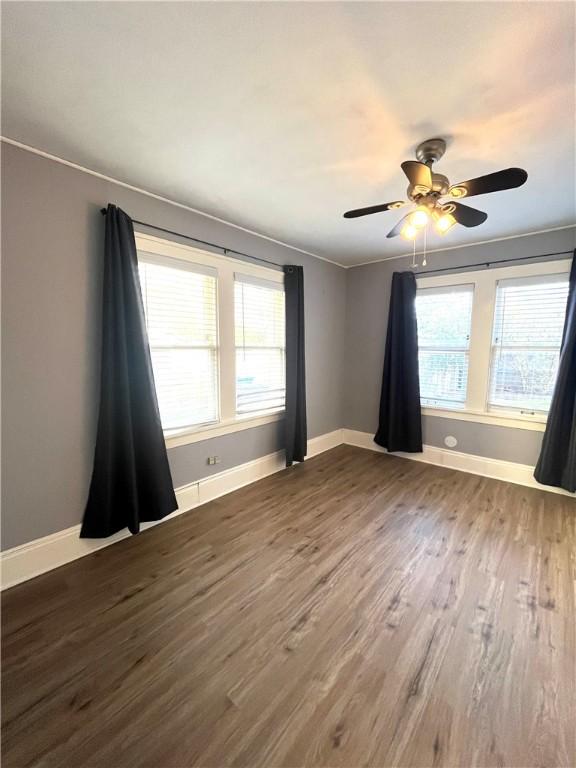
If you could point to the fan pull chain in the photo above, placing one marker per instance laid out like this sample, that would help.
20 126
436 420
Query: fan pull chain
424 252
414 264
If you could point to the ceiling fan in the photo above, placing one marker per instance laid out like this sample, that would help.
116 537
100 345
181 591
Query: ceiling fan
427 188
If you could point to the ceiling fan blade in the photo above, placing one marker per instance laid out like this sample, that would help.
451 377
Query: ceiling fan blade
468 217
395 231
492 182
374 209
418 174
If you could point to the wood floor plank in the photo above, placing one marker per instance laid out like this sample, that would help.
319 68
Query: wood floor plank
357 610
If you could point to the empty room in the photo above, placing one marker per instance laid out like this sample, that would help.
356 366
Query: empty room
288 384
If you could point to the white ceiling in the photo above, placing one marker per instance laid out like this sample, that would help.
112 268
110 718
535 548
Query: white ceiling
281 116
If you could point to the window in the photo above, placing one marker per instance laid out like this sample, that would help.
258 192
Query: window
217 339
528 324
260 345
444 317
180 307
489 349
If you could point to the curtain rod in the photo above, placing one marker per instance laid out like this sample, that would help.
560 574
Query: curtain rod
488 264
225 251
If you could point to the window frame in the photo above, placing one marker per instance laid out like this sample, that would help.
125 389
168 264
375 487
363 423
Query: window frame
476 408
227 267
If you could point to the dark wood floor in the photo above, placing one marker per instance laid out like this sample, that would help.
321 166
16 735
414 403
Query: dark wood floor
358 610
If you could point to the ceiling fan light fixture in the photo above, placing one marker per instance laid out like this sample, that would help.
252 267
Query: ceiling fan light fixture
419 218
409 232
445 222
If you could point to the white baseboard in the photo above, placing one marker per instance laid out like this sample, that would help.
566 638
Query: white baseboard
41 555
521 474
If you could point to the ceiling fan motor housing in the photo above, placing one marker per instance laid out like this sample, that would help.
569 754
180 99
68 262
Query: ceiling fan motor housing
429 152
440 184
425 196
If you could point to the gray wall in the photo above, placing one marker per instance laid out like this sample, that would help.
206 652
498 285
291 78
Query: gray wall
52 237
366 319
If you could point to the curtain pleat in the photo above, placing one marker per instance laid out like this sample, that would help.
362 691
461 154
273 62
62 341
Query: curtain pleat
295 421
400 420
557 462
131 481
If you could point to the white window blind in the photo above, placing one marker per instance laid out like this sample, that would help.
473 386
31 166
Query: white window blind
260 344
527 332
181 318
444 317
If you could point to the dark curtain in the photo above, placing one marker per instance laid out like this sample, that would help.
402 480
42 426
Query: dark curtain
557 463
400 422
296 436
131 481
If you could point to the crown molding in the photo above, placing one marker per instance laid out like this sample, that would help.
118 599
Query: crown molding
183 206
465 245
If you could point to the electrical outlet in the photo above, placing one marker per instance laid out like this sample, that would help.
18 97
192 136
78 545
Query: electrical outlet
213 460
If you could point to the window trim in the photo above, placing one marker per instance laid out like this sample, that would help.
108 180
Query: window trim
228 422
476 408
208 431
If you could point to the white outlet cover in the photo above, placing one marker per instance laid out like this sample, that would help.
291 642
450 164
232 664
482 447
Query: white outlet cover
450 441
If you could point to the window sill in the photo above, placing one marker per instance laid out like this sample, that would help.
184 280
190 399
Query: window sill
510 419
175 438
